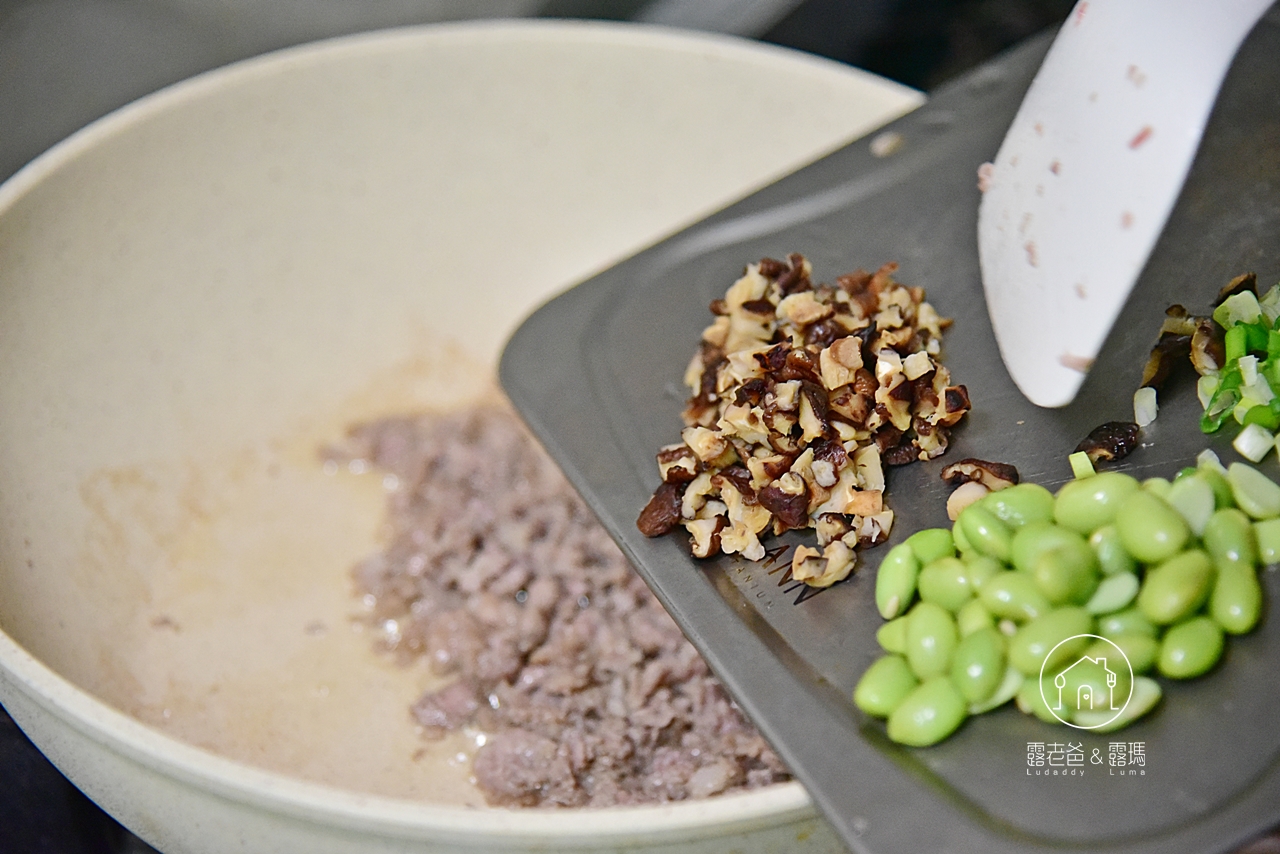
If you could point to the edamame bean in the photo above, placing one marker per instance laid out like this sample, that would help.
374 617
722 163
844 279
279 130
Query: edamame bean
982 634
930 713
931 639
978 665
1114 593
1005 691
1190 648
1040 642
1229 538
1267 535
1085 505
1140 651
884 686
1031 700
963 546
931 544
1236 600
1020 504
1013 596
1222 496
1130 621
1067 574
1145 697
896 580
1176 588
1149 528
981 568
945 582
1254 492
987 534
892 636
1194 500
972 617
1110 552
1157 486
1035 538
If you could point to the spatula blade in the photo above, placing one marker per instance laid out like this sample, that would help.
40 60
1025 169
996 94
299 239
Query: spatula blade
1089 171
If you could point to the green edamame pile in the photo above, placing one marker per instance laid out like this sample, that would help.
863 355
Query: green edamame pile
1032 597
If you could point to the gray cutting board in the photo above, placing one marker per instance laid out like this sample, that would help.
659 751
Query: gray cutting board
597 375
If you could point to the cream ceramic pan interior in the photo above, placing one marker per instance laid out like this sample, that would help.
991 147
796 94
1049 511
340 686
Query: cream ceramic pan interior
199 291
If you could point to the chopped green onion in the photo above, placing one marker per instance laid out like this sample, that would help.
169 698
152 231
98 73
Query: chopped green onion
1219 409
1205 388
1269 303
1259 390
1263 416
1230 377
1271 370
1247 387
1236 342
1081 465
1257 336
1145 406
1238 308
1254 442
1248 368
1257 393
1207 459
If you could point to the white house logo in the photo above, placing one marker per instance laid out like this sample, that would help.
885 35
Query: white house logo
1086 690
1085 697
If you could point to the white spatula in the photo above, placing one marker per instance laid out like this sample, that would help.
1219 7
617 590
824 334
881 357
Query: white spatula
1088 174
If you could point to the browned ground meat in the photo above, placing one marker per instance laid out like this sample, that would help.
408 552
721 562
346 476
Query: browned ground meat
496 571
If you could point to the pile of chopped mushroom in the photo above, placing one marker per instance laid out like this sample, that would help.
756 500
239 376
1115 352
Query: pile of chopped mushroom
801 394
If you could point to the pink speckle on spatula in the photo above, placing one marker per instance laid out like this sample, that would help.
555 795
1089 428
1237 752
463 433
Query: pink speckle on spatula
985 173
1141 136
1075 363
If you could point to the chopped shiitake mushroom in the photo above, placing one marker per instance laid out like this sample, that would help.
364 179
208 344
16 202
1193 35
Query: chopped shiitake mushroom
801 393
1110 441
992 475
974 479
